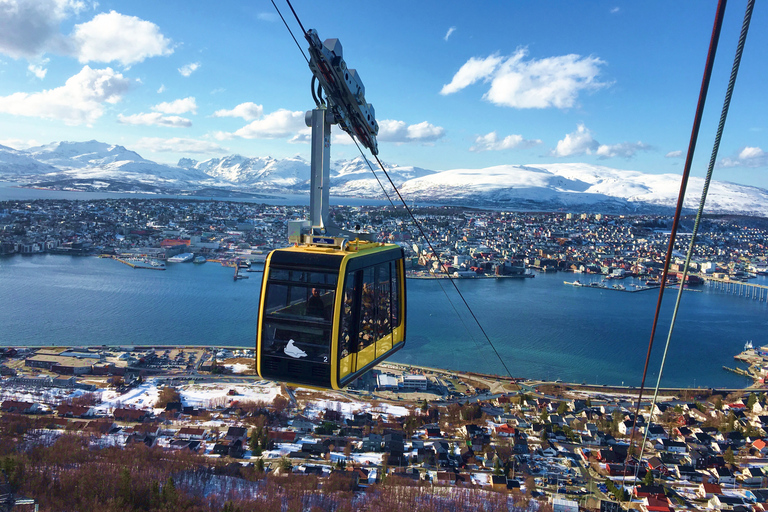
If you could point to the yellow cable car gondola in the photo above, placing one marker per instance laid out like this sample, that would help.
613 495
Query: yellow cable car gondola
329 315
333 305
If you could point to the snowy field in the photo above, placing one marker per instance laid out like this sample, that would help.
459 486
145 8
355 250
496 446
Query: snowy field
195 395
348 408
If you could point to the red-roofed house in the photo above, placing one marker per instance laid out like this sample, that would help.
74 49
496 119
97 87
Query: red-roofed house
707 490
505 430
760 446
21 407
655 505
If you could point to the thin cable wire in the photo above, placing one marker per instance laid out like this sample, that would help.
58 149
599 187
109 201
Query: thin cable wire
394 208
704 192
289 28
680 198
439 281
440 263
296 16
407 209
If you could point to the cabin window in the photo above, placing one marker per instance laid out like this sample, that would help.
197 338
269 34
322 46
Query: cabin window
367 333
347 315
299 314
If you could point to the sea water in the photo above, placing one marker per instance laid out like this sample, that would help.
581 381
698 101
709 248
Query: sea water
540 328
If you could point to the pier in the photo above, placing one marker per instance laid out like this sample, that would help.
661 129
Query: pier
741 288
615 287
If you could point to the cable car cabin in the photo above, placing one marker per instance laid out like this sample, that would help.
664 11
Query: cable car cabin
328 315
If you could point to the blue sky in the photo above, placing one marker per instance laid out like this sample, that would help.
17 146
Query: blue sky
454 84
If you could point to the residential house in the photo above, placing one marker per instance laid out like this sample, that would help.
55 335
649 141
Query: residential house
724 476
134 415
303 424
761 446
19 407
498 482
753 476
723 502
75 411
505 430
191 434
372 443
707 490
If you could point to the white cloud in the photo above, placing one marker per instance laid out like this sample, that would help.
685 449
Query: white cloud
116 37
615 10
748 157
279 124
519 83
154 119
581 142
180 106
268 16
178 145
399 132
161 89
623 149
39 70
188 69
576 143
79 101
19 143
450 31
248 111
491 142
29 28
472 71
674 154
425 132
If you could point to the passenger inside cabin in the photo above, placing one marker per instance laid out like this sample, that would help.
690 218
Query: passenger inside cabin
315 305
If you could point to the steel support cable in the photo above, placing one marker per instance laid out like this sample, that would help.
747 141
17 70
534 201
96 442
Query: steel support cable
440 263
289 28
704 192
680 198
447 297
296 16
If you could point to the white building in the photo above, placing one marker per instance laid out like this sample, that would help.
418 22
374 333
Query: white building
417 382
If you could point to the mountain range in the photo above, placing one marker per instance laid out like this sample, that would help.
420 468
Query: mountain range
98 166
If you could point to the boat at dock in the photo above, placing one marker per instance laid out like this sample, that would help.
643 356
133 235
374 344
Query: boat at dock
199 259
181 258
143 263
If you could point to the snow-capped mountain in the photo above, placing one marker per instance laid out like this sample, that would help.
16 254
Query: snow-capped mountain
80 155
95 165
264 171
17 163
580 186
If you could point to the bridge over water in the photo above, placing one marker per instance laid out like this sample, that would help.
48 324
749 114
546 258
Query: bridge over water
742 288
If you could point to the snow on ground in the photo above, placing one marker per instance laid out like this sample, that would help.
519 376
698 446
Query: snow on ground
368 458
145 395
480 478
211 394
238 368
348 409
142 396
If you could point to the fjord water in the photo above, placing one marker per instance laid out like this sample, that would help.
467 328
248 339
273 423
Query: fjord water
540 327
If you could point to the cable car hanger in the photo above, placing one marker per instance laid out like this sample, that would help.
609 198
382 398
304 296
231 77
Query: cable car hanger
346 107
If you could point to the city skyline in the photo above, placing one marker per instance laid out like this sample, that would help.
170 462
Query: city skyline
456 87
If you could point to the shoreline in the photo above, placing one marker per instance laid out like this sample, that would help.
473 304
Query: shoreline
492 380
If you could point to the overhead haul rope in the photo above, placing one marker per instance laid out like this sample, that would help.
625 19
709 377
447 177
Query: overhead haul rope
712 159
410 213
439 262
